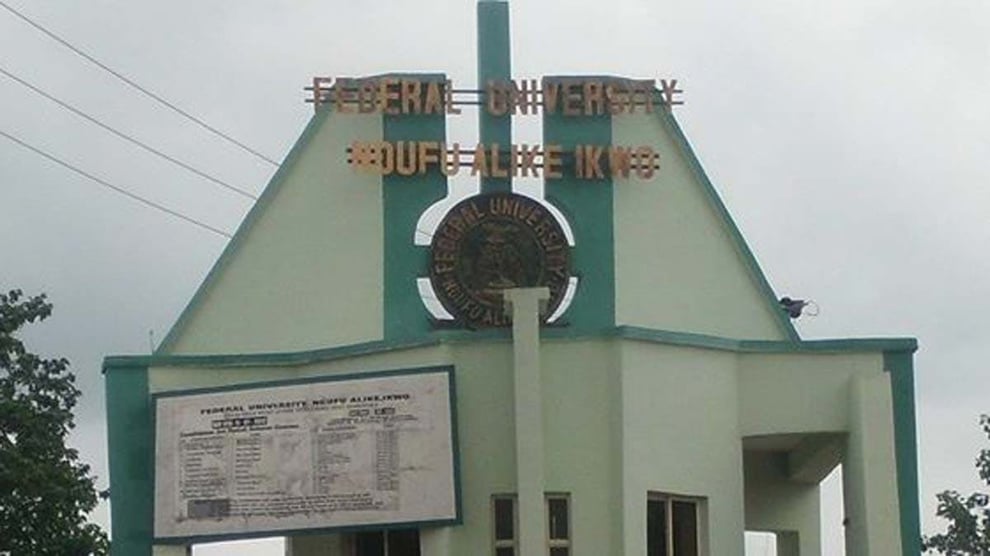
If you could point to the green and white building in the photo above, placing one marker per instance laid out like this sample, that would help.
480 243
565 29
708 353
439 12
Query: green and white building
668 407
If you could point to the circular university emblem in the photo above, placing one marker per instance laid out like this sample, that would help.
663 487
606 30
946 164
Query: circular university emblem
493 242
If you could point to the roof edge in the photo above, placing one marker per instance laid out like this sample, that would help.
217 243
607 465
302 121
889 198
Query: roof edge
743 250
269 193
271 190
634 333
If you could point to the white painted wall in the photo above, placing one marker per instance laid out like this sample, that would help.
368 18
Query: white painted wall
680 435
676 266
582 424
309 272
798 392
869 485
775 504
624 418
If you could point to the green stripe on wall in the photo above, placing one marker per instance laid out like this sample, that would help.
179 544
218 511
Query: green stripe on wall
494 64
130 435
900 365
404 198
588 206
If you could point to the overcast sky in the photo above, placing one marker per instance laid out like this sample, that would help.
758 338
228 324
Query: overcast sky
848 139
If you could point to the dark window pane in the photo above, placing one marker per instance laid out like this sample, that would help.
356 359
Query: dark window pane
685 529
656 528
560 551
369 544
504 521
505 551
558 518
403 542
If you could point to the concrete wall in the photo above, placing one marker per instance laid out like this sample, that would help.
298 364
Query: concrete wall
583 456
623 419
680 436
798 392
677 266
869 486
581 453
778 505
487 441
308 273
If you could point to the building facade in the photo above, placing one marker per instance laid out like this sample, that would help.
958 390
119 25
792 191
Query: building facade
655 399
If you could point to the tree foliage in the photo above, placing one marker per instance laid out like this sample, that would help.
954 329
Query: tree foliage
968 532
46 492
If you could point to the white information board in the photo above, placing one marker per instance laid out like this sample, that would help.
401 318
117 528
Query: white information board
373 449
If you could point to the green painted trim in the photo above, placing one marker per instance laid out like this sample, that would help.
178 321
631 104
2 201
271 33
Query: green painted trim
455 441
458 518
266 197
131 455
687 339
589 208
404 199
635 333
749 260
900 365
848 345
494 64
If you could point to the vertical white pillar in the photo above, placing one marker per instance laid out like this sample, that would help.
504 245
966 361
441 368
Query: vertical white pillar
315 545
524 305
777 503
788 544
869 470
435 541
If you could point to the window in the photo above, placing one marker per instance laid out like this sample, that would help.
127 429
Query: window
504 524
672 526
559 524
399 542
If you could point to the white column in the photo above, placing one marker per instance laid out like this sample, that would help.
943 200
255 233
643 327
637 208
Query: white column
788 544
776 503
315 545
435 541
524 305
869 470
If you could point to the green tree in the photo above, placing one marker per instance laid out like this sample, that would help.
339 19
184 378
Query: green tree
46 492
968 533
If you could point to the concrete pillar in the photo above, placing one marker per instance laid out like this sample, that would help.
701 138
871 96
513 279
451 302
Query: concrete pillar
869 472
170 550
435 541
524 304
494 64
315 545
788 544
778 503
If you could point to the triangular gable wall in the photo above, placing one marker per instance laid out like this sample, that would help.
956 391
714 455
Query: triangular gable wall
315 264
304 270
680 262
